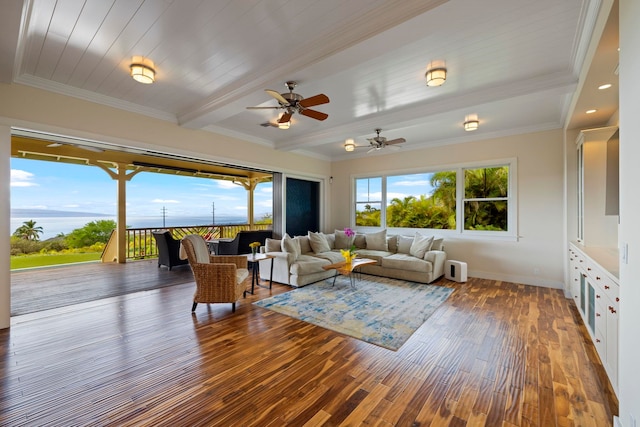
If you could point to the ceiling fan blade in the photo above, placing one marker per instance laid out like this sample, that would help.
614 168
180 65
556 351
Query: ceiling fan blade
396 141
285 118
371 150
314 114
281 99
314 100
263 108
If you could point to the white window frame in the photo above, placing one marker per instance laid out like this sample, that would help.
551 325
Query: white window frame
459 231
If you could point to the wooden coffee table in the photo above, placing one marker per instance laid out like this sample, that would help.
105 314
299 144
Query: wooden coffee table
348 269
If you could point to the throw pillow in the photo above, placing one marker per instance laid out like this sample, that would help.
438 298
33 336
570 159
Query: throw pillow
404 244
318 242
331 240
360 241
437 244
377 241
421 244
290 246
303 241
272 245
342 240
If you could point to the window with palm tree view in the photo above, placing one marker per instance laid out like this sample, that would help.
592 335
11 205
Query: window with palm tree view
431 200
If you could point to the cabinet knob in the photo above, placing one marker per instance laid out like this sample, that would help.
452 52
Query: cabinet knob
580 260
597 314
606 287
584 275
617 299
588 268
597 340
613 310
597 277
597 296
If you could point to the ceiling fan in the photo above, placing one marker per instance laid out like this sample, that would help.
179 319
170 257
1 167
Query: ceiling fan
294 103
379 142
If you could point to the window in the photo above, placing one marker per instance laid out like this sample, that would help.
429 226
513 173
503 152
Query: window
486 198
368 202
466 199
425 200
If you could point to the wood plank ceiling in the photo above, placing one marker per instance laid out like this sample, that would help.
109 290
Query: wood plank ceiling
513 63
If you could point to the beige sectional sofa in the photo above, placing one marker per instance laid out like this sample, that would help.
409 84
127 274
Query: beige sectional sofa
299 260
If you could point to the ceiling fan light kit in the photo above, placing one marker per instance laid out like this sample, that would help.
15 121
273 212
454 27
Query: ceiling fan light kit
294 103
436 76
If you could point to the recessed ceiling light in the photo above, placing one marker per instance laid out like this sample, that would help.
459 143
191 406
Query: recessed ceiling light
591 111
604 86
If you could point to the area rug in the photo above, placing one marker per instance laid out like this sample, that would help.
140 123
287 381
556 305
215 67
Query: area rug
380 311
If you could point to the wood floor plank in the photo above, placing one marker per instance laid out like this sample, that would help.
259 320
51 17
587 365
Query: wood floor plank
495 353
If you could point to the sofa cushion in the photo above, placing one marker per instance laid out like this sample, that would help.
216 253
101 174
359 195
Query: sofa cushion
318 242
392 244
360 241
332 256
407 262
421 244
308 264
305 246
404 244
331 240
342 240
372 254
272 245
291 246
437 244
377 241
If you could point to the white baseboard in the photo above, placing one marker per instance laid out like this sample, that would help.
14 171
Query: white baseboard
525 280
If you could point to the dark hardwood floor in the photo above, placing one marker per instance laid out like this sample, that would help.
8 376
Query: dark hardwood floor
494 354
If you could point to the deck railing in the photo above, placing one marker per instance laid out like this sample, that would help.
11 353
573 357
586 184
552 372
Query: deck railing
141 244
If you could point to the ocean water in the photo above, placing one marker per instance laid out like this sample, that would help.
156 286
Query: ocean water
53 226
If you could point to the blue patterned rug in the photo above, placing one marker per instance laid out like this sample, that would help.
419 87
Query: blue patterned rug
381 311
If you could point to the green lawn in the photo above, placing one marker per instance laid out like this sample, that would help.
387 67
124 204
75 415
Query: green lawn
29 261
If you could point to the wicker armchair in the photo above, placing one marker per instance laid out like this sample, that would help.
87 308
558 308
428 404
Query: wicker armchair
218 278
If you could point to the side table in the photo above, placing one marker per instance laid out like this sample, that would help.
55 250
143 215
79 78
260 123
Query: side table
254 265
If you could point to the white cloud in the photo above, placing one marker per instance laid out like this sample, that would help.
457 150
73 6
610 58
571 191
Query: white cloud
20 178
164 201
410 183
71 206
268 190
228 185
263 203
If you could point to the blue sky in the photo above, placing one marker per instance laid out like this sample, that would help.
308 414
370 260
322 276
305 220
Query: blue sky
398 186
57 186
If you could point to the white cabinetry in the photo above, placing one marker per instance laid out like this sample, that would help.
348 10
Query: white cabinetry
596 294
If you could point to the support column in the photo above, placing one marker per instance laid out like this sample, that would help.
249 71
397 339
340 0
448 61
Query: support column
5 215
121 177
122 215
249 184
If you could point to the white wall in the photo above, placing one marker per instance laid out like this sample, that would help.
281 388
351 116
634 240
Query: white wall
540 194
629 332
5 210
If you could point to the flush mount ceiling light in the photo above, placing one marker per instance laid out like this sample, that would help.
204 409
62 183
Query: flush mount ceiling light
143 73
591 111
471 123
436 76
349 145
604 86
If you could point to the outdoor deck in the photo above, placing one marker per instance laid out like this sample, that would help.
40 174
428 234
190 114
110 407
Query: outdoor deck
39 289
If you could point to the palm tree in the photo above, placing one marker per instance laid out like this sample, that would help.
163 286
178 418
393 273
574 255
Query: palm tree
29 231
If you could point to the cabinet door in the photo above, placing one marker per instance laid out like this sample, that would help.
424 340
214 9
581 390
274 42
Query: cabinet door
612 345
591 313
583 294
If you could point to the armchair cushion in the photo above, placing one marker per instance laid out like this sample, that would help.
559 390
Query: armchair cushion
421 244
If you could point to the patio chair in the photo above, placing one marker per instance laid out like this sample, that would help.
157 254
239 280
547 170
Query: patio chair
240 244
218 278
168 249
